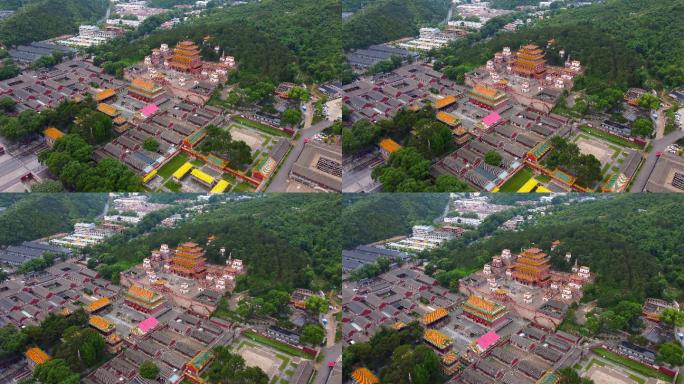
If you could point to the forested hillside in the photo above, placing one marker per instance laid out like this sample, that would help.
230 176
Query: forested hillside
354 5
385 20
622 43
169 3
511 4
286 240
13 4
272 40
630 241
369 218
44 19
39 215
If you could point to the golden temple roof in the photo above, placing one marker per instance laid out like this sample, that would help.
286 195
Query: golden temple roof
364 376
436 338
37 355
435 315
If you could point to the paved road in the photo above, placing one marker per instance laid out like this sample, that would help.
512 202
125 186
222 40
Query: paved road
649 164
308 115
660 123
331 329
280 180
333 353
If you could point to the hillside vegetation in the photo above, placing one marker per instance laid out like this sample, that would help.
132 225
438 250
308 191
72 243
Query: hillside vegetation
622 43
45 19
385 20
286 240
369 218
39 215
284 40
628 240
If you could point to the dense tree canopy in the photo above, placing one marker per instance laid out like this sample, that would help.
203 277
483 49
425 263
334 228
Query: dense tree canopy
273 40
369 218
386 20
397 355
149 370
44 19
622 43
567 156
70 160
36 216
287 241
625 239
220 142
312 334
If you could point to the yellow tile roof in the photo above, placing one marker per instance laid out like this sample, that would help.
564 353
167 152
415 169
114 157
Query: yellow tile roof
53 133
220 187
449 358
113 338
98 304
140 292
144 85
100 323
364 376
398 325
389 145
104 95
107 109
436 338
37 355
481 302
149 176
485 90
180 172
444 102
447 118
202 176
433 316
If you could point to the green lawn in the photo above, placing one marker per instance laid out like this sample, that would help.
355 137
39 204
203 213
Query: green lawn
610 138
197 162
543 178
243 187
631 364
261 127
517 180
275 345
169 168
173 186
604 169
229 178
285 362
594 361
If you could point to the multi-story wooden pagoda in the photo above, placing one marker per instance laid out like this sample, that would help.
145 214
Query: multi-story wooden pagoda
533 267
529 62
189 261
186 57
483 311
